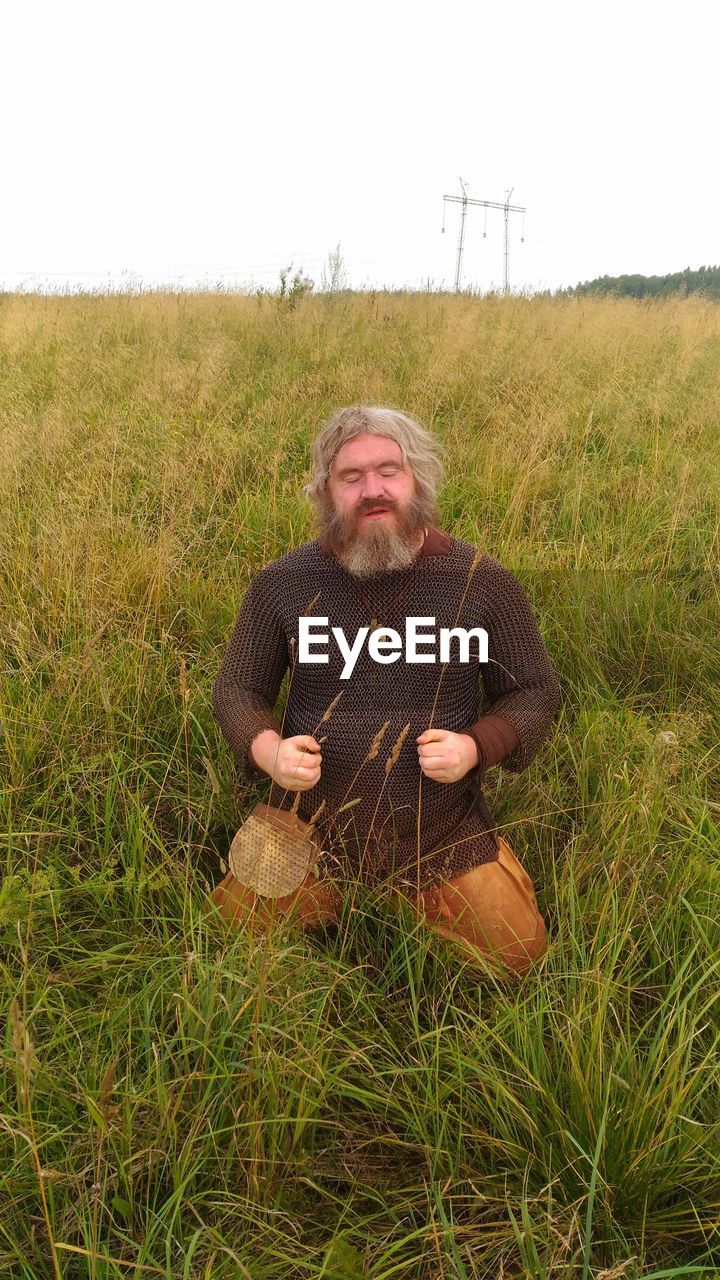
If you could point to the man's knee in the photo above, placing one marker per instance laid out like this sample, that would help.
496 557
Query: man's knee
517 955
520 956
492 910
312 903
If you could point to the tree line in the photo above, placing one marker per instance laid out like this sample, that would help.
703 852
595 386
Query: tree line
704 280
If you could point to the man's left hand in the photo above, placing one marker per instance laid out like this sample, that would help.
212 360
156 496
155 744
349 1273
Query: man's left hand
445 756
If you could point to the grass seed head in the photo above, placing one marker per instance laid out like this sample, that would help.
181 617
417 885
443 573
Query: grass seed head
22 1044
327 714
392 758
375 744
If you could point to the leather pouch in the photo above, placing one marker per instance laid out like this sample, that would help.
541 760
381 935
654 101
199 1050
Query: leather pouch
273 851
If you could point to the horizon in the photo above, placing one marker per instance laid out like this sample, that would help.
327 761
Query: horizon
137 288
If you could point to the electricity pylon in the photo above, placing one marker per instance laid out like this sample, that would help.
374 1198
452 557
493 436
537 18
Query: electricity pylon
507 209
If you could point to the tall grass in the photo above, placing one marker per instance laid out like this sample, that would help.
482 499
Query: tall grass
179 1101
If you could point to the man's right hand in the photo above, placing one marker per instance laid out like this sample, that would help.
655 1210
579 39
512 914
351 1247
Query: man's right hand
292 763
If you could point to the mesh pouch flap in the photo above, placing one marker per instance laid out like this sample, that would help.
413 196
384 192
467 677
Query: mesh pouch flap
272 853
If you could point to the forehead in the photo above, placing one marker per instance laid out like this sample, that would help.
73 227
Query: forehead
366 450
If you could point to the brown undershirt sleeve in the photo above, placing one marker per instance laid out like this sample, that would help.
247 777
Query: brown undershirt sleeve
494 737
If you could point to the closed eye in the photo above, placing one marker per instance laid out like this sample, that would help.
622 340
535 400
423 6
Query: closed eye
384 471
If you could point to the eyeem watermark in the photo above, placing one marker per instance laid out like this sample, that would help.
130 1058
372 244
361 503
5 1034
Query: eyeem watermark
386 644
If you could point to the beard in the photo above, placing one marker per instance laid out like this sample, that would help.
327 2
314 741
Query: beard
367 547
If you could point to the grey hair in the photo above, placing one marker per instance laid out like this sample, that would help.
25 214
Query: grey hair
419 449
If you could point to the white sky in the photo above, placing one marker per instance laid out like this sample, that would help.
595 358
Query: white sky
181 143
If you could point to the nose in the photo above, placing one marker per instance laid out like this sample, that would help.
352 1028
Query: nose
372 487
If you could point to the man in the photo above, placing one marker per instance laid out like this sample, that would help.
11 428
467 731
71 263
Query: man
403 751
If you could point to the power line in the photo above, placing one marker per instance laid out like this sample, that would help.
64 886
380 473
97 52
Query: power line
507 209
130 275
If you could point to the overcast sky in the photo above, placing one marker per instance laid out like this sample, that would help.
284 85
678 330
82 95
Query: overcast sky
221 141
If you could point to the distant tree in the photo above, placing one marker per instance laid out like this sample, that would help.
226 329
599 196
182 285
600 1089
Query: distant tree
705 280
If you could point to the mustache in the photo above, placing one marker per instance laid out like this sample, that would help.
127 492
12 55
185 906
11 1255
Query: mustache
339 530
363 507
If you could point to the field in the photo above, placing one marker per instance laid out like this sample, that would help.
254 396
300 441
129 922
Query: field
181 1102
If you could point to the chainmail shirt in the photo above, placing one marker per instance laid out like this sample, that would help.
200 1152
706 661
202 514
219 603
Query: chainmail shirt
380 834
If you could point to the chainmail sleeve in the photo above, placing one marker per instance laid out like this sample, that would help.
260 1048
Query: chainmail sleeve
246 687
518 679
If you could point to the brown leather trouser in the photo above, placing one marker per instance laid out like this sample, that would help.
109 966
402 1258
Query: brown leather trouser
490 911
